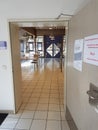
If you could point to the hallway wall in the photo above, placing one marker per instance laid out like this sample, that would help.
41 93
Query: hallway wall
6 89
83 24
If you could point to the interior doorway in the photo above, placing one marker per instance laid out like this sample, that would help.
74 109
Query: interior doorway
16 60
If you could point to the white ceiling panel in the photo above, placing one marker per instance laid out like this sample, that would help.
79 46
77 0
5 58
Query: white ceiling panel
39 8
73 6
50 10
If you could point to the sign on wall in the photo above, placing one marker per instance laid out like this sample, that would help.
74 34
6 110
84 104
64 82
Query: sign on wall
78 51
3 45
91 49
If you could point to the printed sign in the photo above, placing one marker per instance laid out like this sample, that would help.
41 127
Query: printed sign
3 45
78 49
91 49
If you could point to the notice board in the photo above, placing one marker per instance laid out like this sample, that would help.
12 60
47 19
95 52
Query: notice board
91 50
78 51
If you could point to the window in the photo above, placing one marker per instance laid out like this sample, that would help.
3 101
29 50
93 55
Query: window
39 46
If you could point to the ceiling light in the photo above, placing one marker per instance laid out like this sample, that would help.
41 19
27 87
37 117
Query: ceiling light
50 28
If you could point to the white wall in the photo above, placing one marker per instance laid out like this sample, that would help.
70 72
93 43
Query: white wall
84 23
6 90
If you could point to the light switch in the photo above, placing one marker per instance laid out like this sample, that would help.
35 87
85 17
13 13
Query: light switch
4 67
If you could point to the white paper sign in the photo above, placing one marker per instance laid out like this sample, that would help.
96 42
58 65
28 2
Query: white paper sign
78 49
91 49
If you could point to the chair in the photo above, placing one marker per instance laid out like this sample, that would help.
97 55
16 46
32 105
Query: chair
35 59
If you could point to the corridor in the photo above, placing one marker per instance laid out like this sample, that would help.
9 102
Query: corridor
43 98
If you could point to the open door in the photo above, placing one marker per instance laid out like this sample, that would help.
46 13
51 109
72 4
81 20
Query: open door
16 66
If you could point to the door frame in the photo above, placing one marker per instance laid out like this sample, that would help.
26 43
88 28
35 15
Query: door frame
17 101
65 63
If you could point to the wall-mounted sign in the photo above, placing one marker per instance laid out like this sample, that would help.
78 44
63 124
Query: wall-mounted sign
78 50
91 49
3 45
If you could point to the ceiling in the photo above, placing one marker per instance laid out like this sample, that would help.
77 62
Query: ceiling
50 13
40 8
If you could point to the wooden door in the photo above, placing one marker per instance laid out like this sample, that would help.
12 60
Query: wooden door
16 66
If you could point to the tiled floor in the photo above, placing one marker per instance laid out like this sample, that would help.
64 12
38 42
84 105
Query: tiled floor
42 107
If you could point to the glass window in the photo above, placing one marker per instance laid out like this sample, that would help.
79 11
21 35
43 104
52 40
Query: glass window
39 46
22 47
31 46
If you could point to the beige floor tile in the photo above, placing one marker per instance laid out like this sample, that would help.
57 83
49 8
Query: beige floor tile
22 106
54 91
62 101
42 107
37 91
62 96
40 115
17 115
27 114
65 125
53 125
25 99
63 116
54 95
31 107
44 95
35 95
24 124
29 91
44 100
54 107
33 100
45 91
5 129
54 101
9 123
54 115
47 86
54 88
38 125
62 108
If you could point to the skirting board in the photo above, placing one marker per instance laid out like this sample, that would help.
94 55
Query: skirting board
70 120
7 111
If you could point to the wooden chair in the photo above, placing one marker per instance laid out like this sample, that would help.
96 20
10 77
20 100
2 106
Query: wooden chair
35 59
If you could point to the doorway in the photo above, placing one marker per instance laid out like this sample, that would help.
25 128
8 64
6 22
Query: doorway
55 53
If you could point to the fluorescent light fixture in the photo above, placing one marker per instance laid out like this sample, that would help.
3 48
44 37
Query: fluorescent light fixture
50 28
